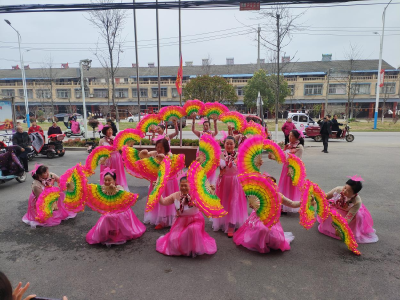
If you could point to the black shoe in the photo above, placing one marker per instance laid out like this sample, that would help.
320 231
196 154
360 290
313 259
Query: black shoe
326 152
26 171
323 151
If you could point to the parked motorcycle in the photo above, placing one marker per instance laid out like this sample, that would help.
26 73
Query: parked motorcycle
10 166
313 132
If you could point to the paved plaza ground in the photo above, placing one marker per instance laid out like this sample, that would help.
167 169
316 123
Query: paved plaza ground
57 261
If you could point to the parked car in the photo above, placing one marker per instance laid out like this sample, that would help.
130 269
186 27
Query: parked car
301 120
170 125
134 118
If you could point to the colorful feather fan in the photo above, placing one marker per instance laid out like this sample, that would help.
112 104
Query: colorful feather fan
344 231
276 151
296 169
76 192
250 155
46 203
104 203
170 113
177 164
202 195
93 159
148 123
146 168
209 154
128 137
263 193
193 107
159 187
252 128
234 119
130 156
213 110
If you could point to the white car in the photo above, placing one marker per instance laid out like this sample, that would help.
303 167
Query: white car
301 120
134 118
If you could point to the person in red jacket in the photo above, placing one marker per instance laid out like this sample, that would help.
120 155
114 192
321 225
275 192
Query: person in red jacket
35 128
286 128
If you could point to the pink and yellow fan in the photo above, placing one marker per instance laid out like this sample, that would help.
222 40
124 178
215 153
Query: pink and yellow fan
74 183
171 113
97 156
276 151
47 203
128 137
130 156
148 123
209 154
296 169
202 194
262 194
250 155
344 231
159 187
234 119
213 110
104 201
193 107
252 129
146 168
177 164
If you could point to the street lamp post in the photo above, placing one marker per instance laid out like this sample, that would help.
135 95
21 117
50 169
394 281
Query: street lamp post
380 66
23 75
86 64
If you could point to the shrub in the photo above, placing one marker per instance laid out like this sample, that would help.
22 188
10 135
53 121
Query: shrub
93 123
41 119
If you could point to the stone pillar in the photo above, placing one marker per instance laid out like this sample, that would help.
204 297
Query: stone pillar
323 110
371 110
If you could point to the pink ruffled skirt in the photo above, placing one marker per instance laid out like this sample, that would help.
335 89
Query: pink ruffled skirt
58 215
255 236
116 228
361 225
115 162
163 214
234 202
288 190
187 237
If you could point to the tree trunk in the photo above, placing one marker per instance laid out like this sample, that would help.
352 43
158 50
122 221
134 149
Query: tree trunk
383 112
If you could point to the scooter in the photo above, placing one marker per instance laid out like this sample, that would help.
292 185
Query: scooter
10 167
53 147
81 132
313 132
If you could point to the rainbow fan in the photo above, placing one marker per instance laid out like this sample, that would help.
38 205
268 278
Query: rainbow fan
296 169
130 156
103 203
263 194
209 154
159 187
213 110
193 107
148 123
46 203
276 151
250 155
170 113
202 194
93 159
252 128
177 164
127 137
322 203
235 119
345 233
146 168
75 195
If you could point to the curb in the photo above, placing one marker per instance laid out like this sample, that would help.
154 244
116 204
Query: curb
75 148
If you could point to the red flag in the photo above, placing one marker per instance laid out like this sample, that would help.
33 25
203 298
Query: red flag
178 82
382 79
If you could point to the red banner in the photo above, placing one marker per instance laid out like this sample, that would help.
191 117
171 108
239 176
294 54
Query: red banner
178 82
249 5
382 78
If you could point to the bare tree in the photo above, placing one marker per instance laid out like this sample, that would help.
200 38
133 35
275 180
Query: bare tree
104 110
206 65
385 93
133 109
110 24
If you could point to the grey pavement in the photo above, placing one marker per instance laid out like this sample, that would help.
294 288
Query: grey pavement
57 261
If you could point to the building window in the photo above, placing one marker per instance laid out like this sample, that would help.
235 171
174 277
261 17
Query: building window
29 93
100 93
175 93
239 91
360 88
143 93
337 89
121 93
78 93
43 94
388 88
63 94
134 93
313 89
154 92
164 92
291 88
8 93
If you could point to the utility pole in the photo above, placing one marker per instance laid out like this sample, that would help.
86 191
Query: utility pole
84 63
180 58
278 45
158 59
327 92
137 60
258 57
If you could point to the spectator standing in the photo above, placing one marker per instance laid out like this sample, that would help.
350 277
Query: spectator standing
325 132
287 128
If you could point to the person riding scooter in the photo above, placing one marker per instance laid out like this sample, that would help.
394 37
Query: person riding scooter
335 126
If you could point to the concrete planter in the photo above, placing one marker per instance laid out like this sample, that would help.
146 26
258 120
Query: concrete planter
189 151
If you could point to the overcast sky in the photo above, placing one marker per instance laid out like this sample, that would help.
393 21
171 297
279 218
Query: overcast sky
217 34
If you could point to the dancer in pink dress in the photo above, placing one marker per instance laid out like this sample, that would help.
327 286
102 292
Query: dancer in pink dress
230 191
115 228
161 135
296 147
346 201
255 236
187 235
42 178
161 216
115 161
